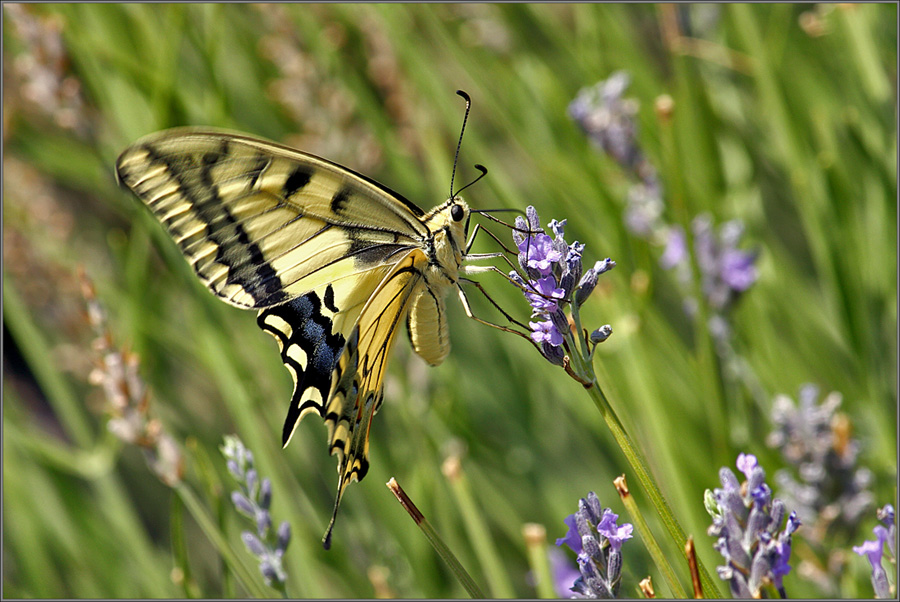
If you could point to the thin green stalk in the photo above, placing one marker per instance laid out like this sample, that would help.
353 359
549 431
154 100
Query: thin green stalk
649 540
179 551
435 540
498 581
581 368
250 581
536 547
213 490
646 480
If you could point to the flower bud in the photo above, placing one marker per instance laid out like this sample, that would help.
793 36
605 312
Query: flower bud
265 494
553 353
601 334
241 502
518 234
253 543
284 536
560 321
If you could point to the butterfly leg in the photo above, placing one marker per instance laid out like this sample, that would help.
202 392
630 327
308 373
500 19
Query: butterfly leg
478 229
468 309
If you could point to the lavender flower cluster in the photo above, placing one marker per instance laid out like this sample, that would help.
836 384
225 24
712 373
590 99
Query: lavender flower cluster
831 491
725 270
127 397
597 540
253 501
608 119
555 279
874 550
746 521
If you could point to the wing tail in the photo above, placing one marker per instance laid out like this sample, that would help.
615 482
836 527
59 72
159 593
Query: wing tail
357 382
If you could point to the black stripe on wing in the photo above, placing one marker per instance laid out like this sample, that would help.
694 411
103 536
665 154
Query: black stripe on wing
247 267
309 350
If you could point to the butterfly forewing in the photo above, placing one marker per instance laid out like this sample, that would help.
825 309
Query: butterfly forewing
261 223
332 260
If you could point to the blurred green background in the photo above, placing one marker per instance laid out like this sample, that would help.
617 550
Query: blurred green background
784 116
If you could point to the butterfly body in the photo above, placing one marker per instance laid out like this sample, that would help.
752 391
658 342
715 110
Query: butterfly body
333 261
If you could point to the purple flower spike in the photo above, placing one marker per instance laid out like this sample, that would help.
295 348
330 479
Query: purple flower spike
552 280
253 501
595 537
746 521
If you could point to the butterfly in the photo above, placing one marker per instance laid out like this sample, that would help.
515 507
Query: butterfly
332 261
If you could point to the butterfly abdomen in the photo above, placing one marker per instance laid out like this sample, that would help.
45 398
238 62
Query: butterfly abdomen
426 323
426 320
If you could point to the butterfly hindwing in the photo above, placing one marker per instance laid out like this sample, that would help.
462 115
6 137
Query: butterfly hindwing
358 379
310 343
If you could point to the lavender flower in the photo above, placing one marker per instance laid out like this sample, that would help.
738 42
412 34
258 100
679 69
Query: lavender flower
127 397
746 521
725 270
555 279
831 491
42 69
874 551
608 119
253 501
594 536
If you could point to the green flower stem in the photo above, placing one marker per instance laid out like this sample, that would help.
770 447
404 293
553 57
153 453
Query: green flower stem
498 581
646 480
247 577
435 540
179 551
536 547
649 540
584 371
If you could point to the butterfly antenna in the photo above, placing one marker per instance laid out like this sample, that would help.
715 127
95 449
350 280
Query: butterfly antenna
459 143
483 171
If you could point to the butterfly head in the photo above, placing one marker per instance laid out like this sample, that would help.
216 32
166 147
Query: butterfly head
448 223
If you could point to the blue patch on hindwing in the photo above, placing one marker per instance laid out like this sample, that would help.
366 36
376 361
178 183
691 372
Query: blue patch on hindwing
312 333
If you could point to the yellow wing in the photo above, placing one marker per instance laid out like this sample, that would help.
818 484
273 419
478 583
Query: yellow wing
358 378
261 223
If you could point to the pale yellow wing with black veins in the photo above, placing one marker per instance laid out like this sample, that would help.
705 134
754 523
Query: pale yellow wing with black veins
261 223
357 381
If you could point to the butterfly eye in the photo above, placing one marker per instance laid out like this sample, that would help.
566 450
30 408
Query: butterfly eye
457 213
